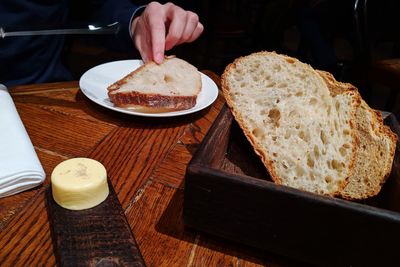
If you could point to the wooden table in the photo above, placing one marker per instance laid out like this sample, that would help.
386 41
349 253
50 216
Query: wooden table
146 159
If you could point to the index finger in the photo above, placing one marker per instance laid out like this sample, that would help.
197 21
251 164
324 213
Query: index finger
157 37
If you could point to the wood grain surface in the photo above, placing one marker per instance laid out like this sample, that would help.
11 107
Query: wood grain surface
146 159
100 236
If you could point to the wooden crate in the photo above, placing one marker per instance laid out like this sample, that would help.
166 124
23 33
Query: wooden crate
228 193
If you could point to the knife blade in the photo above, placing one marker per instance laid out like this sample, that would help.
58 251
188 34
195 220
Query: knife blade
112 28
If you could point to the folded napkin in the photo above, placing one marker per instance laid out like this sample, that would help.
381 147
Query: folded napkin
20 168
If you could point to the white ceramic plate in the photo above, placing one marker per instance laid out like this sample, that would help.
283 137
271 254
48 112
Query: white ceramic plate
95 81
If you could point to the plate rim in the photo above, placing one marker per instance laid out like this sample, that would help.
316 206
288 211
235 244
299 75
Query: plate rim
213 95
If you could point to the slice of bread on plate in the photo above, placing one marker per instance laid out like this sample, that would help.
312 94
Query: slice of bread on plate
377 144
305 136
170 86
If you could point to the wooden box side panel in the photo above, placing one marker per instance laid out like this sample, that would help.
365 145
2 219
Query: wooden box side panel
287 224
220 199
213 148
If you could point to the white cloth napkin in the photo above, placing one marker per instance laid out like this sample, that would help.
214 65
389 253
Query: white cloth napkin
20 168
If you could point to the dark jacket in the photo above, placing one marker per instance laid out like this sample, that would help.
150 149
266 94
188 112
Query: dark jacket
36 59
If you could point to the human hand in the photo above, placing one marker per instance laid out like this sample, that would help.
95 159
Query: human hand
161 27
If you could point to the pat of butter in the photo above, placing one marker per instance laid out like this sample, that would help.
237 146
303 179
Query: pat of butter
79 183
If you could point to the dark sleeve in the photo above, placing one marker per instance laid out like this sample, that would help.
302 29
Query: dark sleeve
110 11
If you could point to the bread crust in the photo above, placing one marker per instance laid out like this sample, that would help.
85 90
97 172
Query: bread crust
149 102
155 101
116 85
265 158
370 137
379 129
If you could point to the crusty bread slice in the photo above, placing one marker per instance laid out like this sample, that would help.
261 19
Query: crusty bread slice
377 144
171 85
304 136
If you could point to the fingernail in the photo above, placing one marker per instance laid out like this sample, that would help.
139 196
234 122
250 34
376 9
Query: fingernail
158 58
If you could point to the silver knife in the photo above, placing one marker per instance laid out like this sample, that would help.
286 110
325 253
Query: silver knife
91 29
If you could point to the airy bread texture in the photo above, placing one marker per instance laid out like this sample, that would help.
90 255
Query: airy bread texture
171 85
377 144
304 135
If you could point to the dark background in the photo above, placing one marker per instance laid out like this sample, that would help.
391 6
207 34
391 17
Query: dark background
328 34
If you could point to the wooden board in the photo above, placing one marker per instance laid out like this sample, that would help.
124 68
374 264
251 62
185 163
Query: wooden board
100 236
229 194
